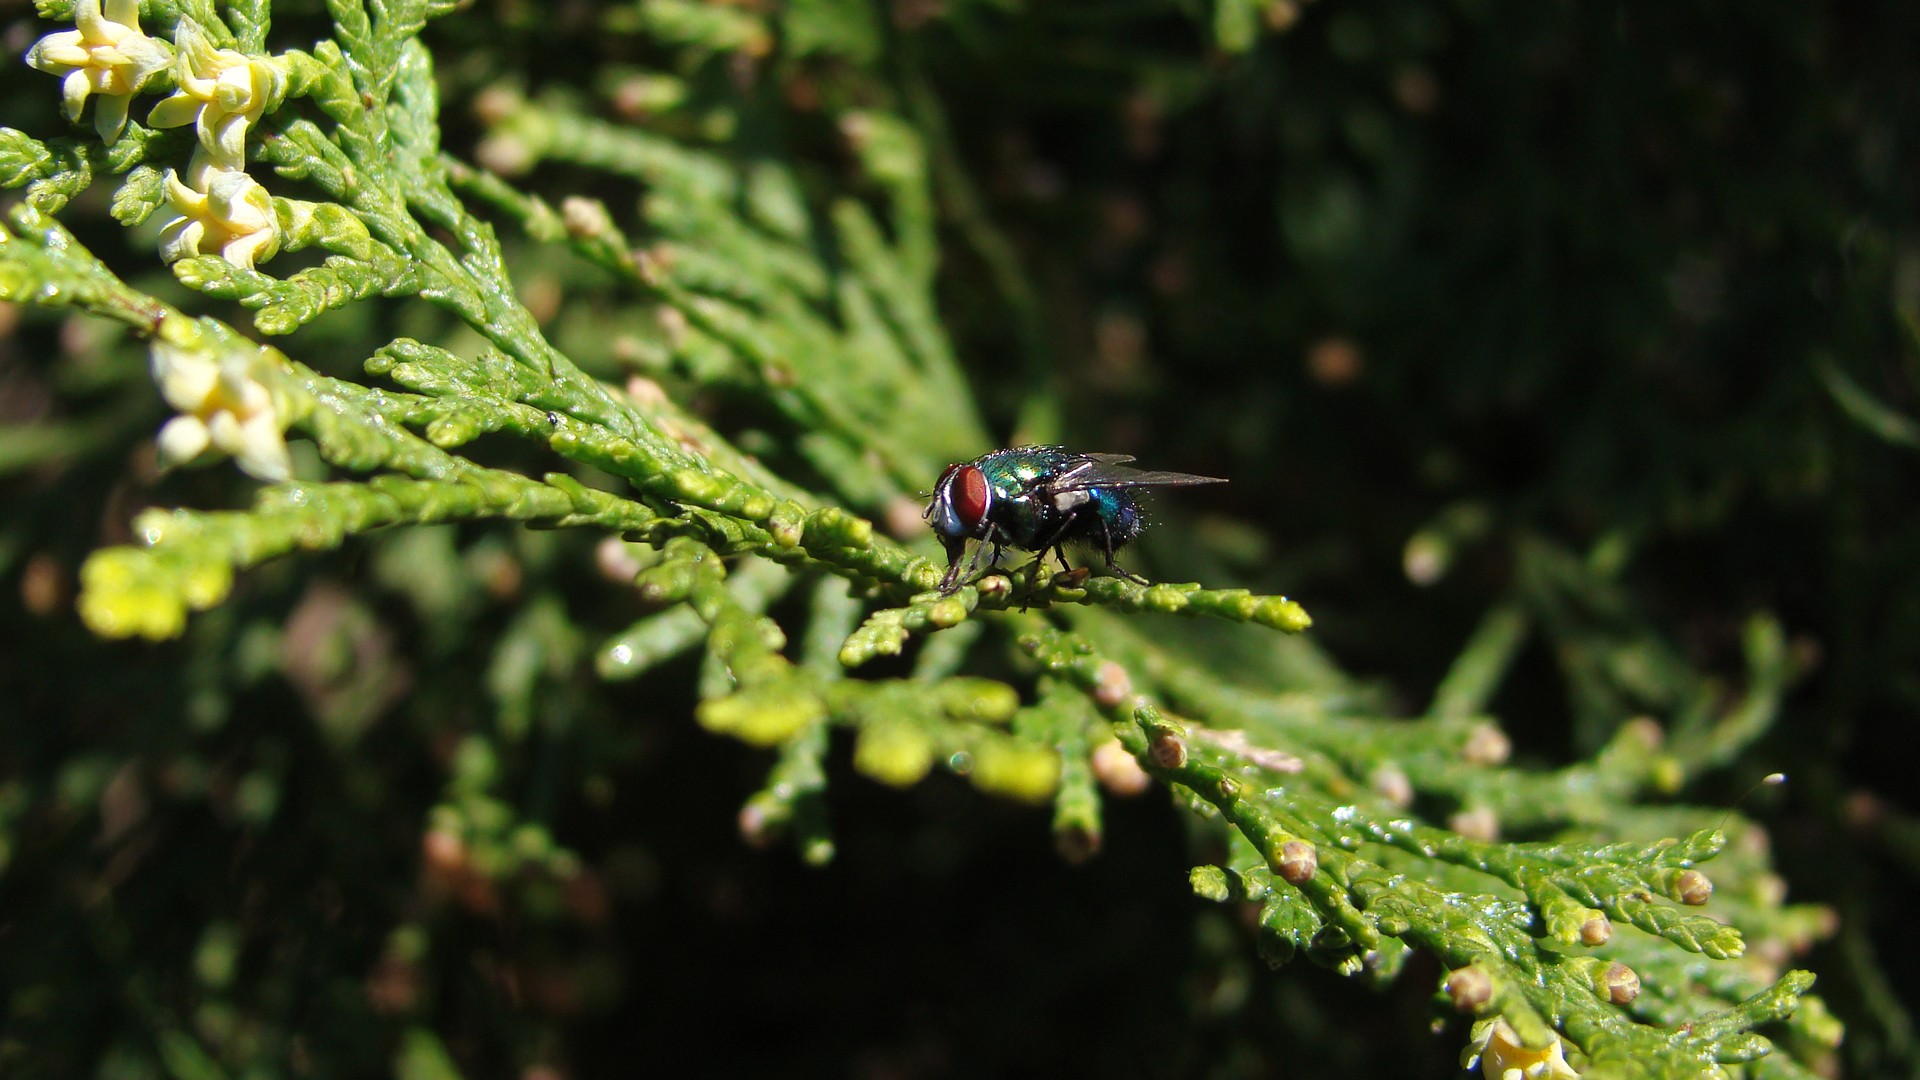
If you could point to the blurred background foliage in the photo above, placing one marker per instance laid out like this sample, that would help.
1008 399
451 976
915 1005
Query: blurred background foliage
1449 290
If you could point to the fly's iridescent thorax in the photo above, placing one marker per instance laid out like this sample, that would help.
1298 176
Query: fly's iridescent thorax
1027 510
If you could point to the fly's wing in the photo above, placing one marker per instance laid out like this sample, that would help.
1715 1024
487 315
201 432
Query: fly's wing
1104 470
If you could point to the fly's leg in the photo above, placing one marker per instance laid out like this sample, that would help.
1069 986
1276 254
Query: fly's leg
1053 541
1106 543
951 581
986 542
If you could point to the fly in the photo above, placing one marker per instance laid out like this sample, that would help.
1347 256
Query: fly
1039 499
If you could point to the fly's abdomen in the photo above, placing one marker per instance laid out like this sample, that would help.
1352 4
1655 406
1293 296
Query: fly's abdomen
1111 517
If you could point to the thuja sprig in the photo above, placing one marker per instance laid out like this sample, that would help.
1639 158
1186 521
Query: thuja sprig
887 631
1063 719
347 423
1445 754
792 803
768 700
1486 941
1341 871
1375 769
350 426
372 155
187 559
666 634
904 727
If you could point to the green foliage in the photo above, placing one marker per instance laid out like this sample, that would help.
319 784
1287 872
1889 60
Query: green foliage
697 324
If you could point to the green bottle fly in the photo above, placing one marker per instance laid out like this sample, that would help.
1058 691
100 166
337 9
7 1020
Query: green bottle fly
1039 499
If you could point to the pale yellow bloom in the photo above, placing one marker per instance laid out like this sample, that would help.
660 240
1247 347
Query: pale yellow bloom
106 56
221 92
1503 1058
222 212
222 406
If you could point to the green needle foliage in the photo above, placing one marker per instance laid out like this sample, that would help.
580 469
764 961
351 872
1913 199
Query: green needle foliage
590 381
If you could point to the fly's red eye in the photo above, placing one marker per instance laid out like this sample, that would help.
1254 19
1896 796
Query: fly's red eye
970 495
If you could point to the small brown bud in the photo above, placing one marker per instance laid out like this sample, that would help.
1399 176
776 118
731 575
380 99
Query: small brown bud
542 296
393 986
444 852
1112 686
508 155
43 585
615 560
1118 771
1596 931
1806 652
653 264
1486 745
644 391
1771 889
673 323
756 825
1692 887
1168 750
1076 845
903 518
1480 823
1298 862
1826 923
1767 957
1335 361
1389 781
856 129
1416 90
1425 558
1470 988
500 573
495 104
584 218
994 585
1644 730
1621 983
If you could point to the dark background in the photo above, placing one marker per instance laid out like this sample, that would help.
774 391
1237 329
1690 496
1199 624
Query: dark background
1590 273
